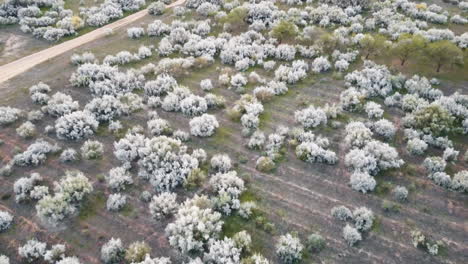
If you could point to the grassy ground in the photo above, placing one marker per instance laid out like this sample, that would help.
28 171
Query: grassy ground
294 197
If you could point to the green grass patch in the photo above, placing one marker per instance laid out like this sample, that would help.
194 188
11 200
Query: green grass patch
234 224
222 135
383 188
92 205
377 226
129 211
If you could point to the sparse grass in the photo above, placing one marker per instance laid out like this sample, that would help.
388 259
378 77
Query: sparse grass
94 203
129 211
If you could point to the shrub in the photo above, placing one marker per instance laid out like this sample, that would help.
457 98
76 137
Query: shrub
116 201
26 130
53 209
156 8
341 213
228 186
315 242
320 64
92 149
363 219
55 254
357 134
32 250
460 181
5 220
243 241
257 140
4 259
164 163
450 154
35 154
159 127
69 155
203 126
289 248
246 209
384 128
193 105
135 32
433 119
105 108
362 182
9 115
206 85
311 117
163 205
284 30
400 193
195 178
416 146
222 251
76 125
351 235
221 163
24 185
118 178
137 251
61 104
373 110
265 164
193 227
434 164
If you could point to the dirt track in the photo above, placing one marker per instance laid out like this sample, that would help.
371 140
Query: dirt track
14 68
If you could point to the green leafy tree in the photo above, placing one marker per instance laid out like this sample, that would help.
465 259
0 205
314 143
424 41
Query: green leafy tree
328 43
443 53
284 30
236 17
408 46
373 45
433 118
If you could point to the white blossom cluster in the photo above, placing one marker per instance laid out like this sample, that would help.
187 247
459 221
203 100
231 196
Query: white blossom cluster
367 157
116 201
373 80
24 186
289 248
193 227
311 117
39 92
35 154
9 115
104 79
50 25
162 161
163 205
228 187
313 149
204 125
362 218
5 220
69 191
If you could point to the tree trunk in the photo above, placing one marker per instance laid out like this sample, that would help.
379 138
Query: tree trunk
438 67
403 62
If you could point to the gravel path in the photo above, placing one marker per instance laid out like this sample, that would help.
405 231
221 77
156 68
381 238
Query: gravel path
14 68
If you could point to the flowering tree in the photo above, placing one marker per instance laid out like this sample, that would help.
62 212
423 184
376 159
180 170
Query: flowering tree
289 248
76 125
204 125
163 205
193 227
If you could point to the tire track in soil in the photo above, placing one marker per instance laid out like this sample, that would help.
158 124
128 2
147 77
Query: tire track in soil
310 195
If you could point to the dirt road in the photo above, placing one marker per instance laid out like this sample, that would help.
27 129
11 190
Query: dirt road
14 68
